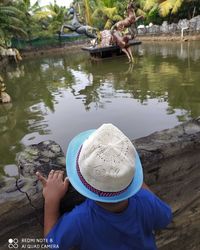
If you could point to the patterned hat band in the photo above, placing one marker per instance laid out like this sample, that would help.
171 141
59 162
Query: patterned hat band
92 189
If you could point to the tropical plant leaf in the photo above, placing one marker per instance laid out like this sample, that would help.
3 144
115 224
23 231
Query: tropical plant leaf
149 4
1 33
15 21
87 12
10 10
109 12
117 18
35 7
108 24
96 13
165 8
17 30
44 14
176 6
141 12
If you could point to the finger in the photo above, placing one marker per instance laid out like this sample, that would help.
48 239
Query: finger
41 178
56 173
60 175
51 173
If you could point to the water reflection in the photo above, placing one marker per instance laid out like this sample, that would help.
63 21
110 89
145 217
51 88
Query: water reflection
181 50
56 97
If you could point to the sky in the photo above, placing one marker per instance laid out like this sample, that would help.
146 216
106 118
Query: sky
59 2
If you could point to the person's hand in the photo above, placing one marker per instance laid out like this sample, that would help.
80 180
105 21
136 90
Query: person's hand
54 187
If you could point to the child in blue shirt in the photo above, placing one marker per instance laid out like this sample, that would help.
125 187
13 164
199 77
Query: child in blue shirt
120 212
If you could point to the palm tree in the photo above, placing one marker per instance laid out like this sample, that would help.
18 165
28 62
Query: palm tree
87 12
170 6
57 18
166 7
84 10
52 17
106 13
174 6
10 23
31 23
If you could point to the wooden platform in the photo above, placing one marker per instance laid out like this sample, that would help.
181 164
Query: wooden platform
97 53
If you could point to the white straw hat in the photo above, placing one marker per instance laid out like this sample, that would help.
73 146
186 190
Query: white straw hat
107 159
103 164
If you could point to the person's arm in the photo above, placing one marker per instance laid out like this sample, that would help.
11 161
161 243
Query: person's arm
157 213
51 215
54 188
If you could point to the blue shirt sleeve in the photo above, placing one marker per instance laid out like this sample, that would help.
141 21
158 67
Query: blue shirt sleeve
156 213
65 234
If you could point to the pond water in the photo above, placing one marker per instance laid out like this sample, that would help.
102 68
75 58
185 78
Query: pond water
58 96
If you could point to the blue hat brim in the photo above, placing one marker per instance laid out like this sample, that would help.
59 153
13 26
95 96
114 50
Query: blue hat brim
71 157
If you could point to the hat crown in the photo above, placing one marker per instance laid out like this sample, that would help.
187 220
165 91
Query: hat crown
107 159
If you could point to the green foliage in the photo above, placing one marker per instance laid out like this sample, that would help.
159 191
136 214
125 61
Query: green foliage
18 18
106 13
21 19
10 23
83 8
149 4
153 16
52 18
169 7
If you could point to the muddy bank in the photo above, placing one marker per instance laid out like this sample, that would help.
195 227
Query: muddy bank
53 50
35 52
171 162
172 38
76 47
